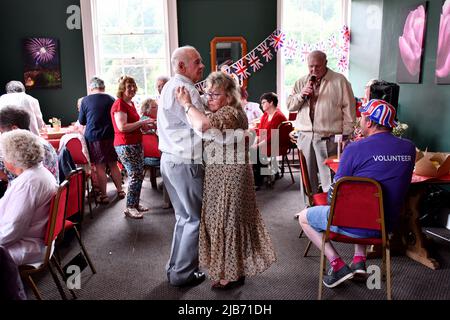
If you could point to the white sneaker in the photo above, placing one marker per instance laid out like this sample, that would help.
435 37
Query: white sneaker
133 213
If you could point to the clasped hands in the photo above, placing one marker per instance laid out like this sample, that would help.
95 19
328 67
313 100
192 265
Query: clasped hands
183 96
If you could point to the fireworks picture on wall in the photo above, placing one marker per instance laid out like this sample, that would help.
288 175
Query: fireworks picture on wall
42 65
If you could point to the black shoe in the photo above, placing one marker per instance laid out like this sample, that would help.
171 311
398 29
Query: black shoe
198 278
335 278
229 285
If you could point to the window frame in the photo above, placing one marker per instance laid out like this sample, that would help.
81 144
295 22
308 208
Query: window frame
90 41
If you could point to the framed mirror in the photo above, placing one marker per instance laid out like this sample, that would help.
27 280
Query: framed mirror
227 50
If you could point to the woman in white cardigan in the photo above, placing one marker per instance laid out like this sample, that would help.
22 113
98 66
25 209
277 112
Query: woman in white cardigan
24 208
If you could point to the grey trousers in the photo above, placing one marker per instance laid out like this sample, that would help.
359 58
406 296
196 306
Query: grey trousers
316 151
184 184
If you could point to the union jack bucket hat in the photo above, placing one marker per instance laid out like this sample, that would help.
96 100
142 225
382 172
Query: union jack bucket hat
380 112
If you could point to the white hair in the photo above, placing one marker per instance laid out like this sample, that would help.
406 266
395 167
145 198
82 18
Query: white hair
21 148
15 86
180 55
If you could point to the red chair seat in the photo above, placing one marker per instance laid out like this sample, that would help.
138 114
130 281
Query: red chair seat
68 224
320 199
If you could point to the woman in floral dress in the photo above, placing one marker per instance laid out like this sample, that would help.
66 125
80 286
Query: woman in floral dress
234 242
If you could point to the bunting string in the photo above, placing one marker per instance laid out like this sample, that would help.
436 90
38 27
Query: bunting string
337 46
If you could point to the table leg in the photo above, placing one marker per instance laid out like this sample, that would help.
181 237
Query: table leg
412 235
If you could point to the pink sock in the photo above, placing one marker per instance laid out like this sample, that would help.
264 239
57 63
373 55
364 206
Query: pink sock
337 264
357 259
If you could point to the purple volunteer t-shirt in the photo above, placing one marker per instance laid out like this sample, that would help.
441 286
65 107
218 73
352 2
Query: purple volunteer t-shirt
386 159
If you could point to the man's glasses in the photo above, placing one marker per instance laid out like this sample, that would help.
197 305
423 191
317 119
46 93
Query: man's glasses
213 96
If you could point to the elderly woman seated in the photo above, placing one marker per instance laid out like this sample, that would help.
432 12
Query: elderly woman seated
24 209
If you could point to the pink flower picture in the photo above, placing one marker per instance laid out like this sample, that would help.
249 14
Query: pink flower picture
443 51
410 45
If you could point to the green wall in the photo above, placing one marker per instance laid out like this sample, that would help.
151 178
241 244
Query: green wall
199 21
425 107
44 18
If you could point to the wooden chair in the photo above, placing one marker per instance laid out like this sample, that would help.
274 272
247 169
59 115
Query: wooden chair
358 203
318 199
54 228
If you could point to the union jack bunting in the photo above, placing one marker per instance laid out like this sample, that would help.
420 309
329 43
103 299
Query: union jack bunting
277 40
343 63
337 46
241 69
333 44
265 51
254 61
345 33
319 46
290 50
304 51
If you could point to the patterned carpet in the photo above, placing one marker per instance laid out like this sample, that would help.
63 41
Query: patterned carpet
130 257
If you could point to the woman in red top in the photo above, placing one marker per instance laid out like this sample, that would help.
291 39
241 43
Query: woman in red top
270 120
128 142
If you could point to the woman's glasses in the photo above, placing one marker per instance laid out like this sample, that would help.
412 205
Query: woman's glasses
213 96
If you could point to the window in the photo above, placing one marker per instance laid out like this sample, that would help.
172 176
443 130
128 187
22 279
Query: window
128 37
310 22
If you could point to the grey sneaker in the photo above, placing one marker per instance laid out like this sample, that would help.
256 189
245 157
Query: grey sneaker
332 279
359 268
133 213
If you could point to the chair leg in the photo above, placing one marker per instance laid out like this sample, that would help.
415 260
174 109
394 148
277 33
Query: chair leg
63 275
89 196
290 170
388 273
282 166
322 266
308 246
29 281
58 284
91 265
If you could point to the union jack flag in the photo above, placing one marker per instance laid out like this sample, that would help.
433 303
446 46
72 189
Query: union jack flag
345 33
265 51
343 63
241 69
304 51
333 45
200 86
254 61
319 46
290 50
277 40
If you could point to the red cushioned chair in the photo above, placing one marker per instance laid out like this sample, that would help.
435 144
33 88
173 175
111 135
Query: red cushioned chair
358 203
79 158
75 209
55 226
317 199
285 146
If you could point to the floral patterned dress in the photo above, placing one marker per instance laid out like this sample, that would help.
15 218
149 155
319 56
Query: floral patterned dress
234 241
